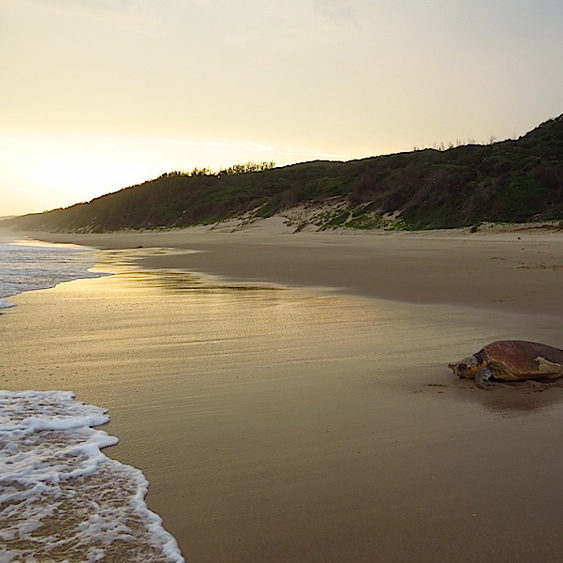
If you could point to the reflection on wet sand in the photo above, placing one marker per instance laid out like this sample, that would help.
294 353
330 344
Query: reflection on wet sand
122 263
178 281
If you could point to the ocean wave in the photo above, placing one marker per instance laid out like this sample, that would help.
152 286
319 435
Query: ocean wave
61 498
28 267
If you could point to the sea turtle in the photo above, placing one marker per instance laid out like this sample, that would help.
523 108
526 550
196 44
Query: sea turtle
511 360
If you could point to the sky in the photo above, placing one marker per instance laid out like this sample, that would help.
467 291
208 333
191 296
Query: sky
97 95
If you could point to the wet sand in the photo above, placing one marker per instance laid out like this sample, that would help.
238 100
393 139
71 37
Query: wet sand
285 424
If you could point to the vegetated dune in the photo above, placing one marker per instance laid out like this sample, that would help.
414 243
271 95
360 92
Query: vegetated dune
509 181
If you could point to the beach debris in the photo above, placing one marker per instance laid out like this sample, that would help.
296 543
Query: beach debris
511 360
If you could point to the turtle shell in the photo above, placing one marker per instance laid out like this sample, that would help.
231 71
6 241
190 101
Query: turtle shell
519 359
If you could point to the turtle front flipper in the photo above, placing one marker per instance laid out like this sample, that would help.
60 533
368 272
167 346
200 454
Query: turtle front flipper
483 378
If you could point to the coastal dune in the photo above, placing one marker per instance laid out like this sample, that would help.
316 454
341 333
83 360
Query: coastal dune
280 420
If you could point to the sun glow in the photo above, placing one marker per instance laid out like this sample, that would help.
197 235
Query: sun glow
80 177
65 169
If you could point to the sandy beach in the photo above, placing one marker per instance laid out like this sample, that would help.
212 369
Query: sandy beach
287 396
511 271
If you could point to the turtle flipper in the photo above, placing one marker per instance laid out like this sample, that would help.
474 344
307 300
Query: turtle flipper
483 378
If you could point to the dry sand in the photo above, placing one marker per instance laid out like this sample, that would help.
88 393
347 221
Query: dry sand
280 424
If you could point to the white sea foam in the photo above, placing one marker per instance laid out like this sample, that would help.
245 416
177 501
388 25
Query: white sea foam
61 498
29 266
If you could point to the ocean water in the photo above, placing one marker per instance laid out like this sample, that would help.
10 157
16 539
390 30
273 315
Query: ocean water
29 265
61 498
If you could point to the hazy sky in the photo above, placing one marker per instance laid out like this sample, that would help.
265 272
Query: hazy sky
100 94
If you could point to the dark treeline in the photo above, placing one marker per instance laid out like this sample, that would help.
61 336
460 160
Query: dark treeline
512 181
230 171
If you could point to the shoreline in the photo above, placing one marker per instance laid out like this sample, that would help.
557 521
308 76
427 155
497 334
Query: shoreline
282 424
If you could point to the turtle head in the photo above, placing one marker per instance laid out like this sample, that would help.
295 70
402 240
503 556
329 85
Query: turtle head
466 368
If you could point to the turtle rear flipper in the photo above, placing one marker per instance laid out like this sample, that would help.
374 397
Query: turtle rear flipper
483 378
548 368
